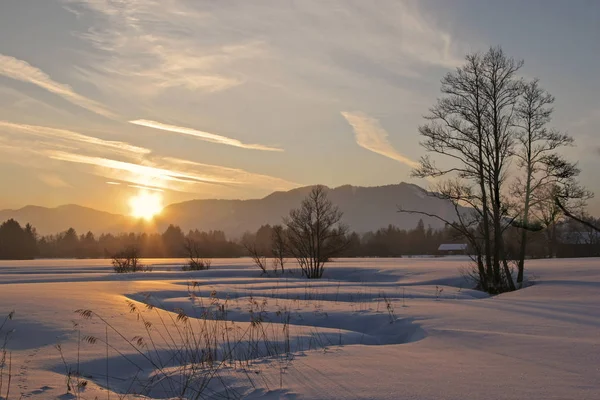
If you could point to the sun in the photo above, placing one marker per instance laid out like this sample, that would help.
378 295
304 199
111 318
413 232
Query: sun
146 205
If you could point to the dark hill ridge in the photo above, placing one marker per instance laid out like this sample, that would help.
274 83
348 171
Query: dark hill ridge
365 209
82 219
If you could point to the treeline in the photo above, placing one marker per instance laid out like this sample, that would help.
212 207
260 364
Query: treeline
17 242
23 242
385 242
170 243
566 238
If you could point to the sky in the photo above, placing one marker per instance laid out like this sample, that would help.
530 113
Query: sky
206 99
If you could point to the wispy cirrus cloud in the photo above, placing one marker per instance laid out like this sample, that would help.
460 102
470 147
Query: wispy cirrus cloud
151 46
147 48
370 135
207 136
127 171
228 175
171 173
20 101
20 70
120 162
66 136
146 188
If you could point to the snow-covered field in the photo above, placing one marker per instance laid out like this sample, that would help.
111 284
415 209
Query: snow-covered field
372 329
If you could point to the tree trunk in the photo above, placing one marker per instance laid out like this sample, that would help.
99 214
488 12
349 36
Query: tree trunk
486 217
483 282
521 265
523 249
552 242
509 279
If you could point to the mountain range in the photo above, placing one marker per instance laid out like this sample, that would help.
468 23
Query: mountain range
365 209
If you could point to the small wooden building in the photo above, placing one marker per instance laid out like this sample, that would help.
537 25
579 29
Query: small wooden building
450 249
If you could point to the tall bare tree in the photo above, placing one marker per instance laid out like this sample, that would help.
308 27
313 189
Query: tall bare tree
315 232
472 128
537 144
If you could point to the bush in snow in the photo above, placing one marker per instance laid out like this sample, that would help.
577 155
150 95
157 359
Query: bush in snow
128 260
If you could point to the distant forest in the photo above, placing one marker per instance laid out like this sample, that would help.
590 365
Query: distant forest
23 242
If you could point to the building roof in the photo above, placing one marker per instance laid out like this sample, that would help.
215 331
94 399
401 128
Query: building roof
452 247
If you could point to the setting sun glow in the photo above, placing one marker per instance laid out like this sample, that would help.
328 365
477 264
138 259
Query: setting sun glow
146 205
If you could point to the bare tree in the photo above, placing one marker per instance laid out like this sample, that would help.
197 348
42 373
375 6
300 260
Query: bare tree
258 257
315 232
127 260
279 246
196 262
536 144
545 211
472 127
